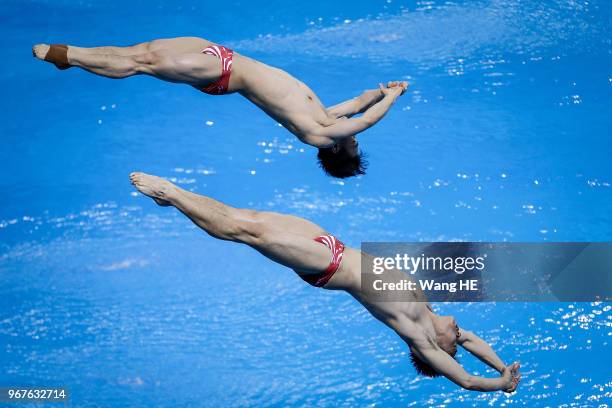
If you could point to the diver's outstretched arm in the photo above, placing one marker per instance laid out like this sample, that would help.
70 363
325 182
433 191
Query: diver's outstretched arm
356 105
481 349
444 364
350 127
363 102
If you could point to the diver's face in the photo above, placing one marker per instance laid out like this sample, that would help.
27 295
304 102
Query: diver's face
349 145
447 333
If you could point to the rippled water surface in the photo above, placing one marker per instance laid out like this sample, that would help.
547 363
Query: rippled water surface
504 135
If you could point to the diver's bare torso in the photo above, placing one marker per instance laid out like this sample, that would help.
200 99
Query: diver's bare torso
283 97
408 317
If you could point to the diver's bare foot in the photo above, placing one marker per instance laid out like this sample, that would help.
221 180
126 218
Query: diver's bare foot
40 51
160 190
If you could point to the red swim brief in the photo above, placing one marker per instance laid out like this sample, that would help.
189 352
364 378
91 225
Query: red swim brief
337 250
219 87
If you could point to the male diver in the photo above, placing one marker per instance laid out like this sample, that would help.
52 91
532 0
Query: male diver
217 70
307 249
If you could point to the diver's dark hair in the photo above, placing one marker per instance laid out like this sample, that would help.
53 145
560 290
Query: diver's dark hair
422 367
340 164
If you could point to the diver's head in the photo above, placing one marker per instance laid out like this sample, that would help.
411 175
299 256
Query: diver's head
343 159
447 333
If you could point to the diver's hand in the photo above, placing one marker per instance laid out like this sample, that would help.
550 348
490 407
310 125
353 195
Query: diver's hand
395 84
511 377
394 91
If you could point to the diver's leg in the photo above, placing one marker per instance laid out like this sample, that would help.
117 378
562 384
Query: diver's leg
113 50
174 60
267 233
178 45
288 223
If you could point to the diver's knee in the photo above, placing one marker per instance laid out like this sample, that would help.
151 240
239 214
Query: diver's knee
249 215
148 58
249 232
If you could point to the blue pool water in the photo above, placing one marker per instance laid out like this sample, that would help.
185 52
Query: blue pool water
504 136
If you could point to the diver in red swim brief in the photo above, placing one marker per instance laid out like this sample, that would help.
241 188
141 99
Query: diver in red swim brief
304 247
290 102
